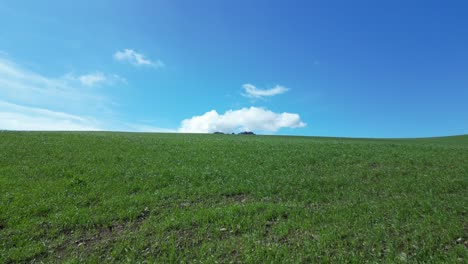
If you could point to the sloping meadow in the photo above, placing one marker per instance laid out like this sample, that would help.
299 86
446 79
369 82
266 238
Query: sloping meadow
127 197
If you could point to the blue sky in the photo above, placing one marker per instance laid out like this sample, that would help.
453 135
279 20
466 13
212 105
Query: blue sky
319 68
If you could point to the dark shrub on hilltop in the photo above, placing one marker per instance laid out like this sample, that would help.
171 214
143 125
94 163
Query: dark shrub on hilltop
247 133
241 133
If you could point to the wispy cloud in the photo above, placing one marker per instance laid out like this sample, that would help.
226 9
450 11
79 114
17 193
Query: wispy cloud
92 79
23 87
245 119
17 117
96 79
253 92
33 101
136 59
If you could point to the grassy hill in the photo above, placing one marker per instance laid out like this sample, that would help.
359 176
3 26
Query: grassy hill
127 197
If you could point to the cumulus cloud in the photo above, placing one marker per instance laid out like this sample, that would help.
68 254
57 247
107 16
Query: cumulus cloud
17 117
245 119
253 92
137 59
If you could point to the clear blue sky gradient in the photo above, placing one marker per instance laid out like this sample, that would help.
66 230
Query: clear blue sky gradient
354 68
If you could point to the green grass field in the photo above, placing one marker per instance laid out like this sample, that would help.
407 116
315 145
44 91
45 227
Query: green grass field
134 197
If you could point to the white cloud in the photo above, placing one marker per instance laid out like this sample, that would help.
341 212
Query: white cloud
65 94
17 117
31 101
253 92
92 79
245 119
96 79
137 59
